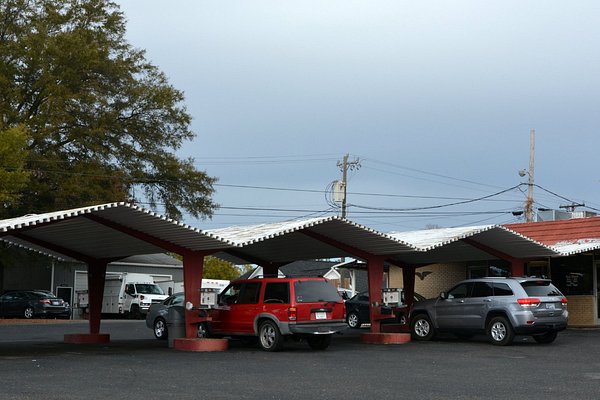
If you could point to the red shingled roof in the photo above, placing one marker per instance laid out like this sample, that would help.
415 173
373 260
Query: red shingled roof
552 232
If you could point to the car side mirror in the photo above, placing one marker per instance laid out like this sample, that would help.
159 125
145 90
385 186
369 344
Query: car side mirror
443 296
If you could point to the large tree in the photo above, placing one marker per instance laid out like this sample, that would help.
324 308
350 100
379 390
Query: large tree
103 122
13 177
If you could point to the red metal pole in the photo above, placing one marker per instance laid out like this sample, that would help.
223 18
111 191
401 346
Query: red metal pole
96 277
408 277
193 266
375 275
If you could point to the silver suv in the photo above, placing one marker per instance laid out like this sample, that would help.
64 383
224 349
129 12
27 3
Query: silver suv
498 307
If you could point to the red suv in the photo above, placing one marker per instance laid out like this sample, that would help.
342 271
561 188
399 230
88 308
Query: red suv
274 308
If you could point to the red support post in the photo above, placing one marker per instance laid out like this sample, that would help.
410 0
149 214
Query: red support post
517 267
96 278
375 276
193 266
408 277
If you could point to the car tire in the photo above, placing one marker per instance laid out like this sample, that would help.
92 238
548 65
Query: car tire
421 328
160 329
319 342
203 332
500 331
545 338
28 313
270 339
353 320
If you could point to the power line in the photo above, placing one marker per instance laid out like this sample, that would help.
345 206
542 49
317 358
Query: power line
439 205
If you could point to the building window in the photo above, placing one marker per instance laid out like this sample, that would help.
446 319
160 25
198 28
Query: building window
489 268
539 269
573 275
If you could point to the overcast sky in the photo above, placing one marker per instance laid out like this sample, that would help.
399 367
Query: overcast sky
436 99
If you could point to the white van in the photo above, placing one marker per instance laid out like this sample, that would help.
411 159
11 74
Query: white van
130 294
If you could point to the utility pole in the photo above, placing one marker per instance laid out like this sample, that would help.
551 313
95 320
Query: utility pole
344 166
529 203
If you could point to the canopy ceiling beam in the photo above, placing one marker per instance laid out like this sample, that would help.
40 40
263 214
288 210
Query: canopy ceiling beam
63 250
166 245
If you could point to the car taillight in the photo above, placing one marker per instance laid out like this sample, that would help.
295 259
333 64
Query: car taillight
529 302
564 301
292 313
45 301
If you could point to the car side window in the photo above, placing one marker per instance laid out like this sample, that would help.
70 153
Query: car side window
461 291
482 289
230 294
177 300
277 292
249 293
502 289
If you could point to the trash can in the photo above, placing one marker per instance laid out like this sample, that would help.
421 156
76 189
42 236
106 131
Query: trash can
175 323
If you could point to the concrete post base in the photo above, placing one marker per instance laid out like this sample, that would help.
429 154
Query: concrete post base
385 338
85 338
194 344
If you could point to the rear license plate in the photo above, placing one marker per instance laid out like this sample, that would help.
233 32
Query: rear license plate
320 315
550 306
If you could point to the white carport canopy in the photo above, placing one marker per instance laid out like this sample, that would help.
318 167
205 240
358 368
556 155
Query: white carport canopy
569 248
308 239
469 244
106 231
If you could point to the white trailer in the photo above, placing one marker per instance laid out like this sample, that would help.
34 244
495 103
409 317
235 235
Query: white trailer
130 294
171 287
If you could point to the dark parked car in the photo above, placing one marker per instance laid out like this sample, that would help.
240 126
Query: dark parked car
156 319
498 307
358 313
33 303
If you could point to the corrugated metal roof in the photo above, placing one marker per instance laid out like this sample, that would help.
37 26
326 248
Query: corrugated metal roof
447 244
577 247
429 239
285 242
71 230
96 232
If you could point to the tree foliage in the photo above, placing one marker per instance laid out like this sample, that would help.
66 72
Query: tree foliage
13 177
215 268
102 120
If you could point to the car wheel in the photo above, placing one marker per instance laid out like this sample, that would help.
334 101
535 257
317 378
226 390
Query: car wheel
421 327
270 338
353 320
160 329
319 342
546 338
500 332
202 330
28 313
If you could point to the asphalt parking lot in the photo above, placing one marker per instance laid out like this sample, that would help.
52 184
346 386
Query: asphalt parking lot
35 364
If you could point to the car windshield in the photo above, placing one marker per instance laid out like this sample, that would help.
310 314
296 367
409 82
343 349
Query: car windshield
312 291
148 288
540 288
44 295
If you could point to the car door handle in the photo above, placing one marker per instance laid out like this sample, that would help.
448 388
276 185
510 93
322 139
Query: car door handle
461 301
487 300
